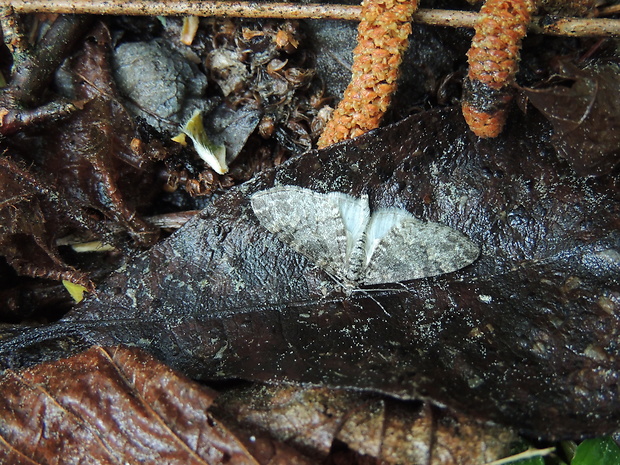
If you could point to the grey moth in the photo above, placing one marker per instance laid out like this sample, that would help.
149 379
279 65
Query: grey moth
340 234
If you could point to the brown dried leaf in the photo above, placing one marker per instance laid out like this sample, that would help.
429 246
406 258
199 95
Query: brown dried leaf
397 432
308 419
117 405
315 419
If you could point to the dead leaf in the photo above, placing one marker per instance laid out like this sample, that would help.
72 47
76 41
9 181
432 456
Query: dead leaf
116 405
526 336
584 110
80 172
91 158
32 214
316 420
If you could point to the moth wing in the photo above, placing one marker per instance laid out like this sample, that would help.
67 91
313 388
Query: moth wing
308 221
401 247
355 214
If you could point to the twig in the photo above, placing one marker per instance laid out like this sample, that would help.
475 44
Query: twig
33 69
451 18
609 10
37 69
523 455
179 7
14 37
167 221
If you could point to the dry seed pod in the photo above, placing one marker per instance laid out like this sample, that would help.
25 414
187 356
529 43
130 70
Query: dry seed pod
493 62
382 38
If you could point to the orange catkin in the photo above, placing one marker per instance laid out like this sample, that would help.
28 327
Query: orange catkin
381 40
493 63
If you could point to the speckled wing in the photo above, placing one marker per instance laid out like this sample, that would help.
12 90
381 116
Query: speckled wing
308 221
400 247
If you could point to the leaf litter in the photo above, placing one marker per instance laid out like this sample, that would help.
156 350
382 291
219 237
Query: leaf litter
115 404
247 306
596 261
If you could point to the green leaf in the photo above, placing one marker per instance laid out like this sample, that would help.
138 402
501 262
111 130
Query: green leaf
599 451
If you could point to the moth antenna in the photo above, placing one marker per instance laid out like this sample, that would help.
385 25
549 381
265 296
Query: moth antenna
368 293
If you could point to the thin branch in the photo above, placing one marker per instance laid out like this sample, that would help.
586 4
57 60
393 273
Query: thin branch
524 455
609 10
179 7
37 69
14 37
451 18
167 221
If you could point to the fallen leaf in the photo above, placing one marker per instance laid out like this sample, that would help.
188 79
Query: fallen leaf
91 159
32 215
117 405
83 170
525 336
316 420
584 110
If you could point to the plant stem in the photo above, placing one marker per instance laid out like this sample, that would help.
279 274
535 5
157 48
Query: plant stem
451 18
523 455
37 70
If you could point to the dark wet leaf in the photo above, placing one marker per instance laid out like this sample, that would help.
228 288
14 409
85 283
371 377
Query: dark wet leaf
585 115
526 336
80 173
92 158
32 215
116 405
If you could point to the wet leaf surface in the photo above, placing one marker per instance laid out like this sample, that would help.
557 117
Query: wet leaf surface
82 172
32 215
524 336
92 157
585 113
